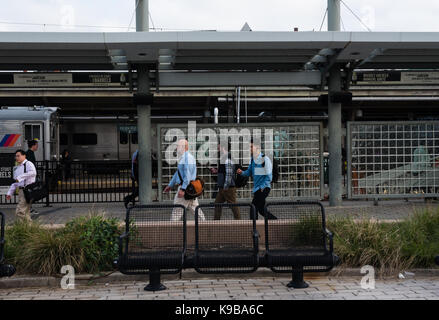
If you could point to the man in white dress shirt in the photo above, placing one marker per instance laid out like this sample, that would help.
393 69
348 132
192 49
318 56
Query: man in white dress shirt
24 174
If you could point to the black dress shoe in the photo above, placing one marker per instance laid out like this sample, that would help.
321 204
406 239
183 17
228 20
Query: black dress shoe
126 200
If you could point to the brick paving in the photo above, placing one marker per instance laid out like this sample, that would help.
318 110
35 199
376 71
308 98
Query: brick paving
386 210
270 288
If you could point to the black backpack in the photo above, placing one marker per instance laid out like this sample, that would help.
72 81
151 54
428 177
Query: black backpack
275 172
240 180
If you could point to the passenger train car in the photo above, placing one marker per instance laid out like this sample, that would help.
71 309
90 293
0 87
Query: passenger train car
90 138
86 138
21 124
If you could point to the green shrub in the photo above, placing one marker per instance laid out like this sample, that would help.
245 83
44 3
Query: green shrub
17 236
89 244
49 250
390 247
420 237
367 242
307 231
98 237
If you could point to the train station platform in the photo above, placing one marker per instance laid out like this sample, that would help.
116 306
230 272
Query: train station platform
387 210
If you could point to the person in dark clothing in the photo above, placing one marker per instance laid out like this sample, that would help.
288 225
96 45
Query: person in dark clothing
135 180
261 169
30 156
30 153
66 163
226 181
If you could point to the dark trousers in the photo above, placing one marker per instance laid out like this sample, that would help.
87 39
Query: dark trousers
135 192
259 202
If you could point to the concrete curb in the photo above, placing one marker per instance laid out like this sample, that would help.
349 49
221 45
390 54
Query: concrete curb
23 281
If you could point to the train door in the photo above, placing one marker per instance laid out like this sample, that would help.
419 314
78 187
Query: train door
127 141
34 131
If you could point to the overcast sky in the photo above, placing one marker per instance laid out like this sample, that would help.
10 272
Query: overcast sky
221 15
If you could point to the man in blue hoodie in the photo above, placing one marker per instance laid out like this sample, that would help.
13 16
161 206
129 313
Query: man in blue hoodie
261 169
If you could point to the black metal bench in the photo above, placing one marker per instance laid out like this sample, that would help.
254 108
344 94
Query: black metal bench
298 240
224 244
6 270
152 244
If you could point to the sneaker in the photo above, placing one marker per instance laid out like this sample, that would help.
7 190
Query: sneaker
34 214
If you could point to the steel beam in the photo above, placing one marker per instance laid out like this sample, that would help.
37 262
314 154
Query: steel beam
334 115
224 79
144 114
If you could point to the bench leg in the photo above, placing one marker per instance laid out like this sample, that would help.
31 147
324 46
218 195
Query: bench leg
154 282
297 281
6 270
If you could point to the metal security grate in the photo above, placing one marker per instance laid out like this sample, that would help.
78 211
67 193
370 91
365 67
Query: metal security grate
297 148
154 242
225 241
393 159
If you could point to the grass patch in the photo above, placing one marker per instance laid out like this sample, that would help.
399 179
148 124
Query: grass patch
389 247
89 244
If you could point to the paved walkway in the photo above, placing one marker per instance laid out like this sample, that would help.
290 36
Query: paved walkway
386 210
321 288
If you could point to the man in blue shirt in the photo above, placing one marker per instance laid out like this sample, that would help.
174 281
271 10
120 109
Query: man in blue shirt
261 168
187 170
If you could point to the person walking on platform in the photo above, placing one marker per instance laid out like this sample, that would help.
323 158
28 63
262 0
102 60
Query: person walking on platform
226 181
24 174
134 179
30 153
186 172
261 169
30 156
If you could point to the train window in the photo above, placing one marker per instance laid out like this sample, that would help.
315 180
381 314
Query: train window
32 132
36 132
85 139
63 139
123 137
28 132
134 138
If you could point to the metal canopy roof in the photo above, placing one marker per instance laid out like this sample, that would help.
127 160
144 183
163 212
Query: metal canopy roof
219 51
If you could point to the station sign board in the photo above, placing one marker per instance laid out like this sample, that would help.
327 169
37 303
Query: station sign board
63 79
395 77
7 162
